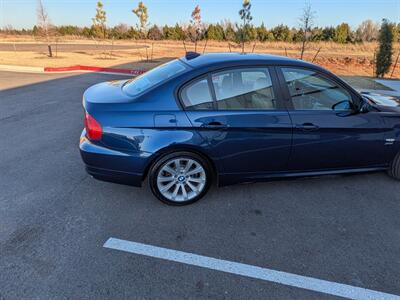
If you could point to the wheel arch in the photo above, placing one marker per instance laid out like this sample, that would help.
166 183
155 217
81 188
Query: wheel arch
175 148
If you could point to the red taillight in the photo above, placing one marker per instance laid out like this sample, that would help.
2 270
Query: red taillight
93 128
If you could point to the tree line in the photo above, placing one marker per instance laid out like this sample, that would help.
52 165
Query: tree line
196 30
223 31
240 32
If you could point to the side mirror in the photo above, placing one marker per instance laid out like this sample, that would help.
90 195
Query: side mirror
342 106
364 106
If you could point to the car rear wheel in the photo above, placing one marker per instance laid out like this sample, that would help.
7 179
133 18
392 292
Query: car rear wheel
394 170
180 178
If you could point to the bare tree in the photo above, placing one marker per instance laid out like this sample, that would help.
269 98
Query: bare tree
44 24
367 31
8 29
306 23
100 21
143 16
246 17
195 26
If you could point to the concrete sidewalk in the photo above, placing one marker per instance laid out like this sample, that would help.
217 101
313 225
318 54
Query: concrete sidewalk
72 69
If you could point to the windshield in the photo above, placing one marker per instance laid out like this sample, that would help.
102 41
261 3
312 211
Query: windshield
153 77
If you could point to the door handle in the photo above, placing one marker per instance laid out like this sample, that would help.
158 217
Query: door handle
215 125
307 127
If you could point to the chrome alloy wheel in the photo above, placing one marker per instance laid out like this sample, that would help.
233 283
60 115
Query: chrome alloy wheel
181 179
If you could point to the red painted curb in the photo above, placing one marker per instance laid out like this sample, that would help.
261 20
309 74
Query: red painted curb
94 69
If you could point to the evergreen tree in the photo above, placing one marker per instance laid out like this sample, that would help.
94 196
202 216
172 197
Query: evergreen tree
385 52
342 33
155 33
316 34
219 30
35 30
179 33
134 33
229 33
328 34
262 33
297 35
120 31
215 32
282 33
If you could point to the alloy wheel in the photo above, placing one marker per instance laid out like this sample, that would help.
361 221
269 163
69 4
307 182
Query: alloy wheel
181 179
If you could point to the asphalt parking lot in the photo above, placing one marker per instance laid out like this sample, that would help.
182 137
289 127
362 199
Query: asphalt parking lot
55 219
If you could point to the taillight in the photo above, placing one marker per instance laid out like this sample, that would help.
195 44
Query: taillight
93 128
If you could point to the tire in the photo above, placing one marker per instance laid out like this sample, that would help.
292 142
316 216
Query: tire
180 178
394 170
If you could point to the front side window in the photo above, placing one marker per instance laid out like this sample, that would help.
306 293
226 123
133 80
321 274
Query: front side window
311 91
241 89
196 95
153 77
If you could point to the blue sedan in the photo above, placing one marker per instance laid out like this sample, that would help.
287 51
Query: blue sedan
231 118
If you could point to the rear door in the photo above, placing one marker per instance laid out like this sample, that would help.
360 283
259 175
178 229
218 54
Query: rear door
240 113
328 133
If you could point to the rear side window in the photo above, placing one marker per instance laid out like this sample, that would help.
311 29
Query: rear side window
153 77
196 95
244 89
312 91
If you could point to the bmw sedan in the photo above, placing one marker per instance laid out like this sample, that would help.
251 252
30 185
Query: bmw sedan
232 118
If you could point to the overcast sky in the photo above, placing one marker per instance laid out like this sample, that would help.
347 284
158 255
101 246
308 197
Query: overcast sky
22 13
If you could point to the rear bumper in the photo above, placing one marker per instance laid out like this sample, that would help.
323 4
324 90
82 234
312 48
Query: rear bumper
110 165
115 176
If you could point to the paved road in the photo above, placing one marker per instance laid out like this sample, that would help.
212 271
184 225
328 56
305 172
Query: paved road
54 219
63 47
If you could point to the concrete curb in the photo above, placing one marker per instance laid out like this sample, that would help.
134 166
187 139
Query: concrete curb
21 69
69 69
94 69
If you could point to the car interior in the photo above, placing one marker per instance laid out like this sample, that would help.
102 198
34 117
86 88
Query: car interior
309 91
244 89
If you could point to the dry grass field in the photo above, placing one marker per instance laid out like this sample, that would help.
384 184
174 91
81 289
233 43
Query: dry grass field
346 59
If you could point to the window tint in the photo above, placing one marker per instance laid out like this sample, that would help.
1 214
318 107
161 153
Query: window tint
311 91
197 95
153 77
244 89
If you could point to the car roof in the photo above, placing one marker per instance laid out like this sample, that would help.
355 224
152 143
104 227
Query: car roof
212 59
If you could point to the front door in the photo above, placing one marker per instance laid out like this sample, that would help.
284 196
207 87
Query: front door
328 133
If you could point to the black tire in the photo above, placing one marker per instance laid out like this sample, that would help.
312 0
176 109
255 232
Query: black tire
394 170
160 162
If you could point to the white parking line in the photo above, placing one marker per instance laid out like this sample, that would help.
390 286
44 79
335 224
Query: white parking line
308 283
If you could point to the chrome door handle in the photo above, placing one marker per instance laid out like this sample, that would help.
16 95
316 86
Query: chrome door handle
215 125
307 127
